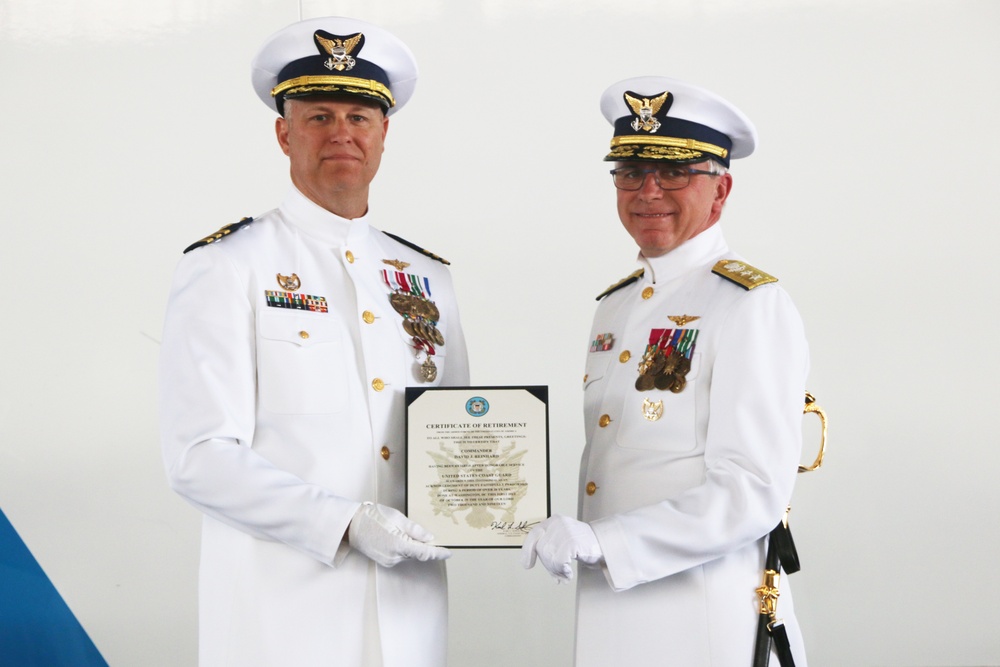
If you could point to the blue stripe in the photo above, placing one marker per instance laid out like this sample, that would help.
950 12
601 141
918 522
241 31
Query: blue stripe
37 629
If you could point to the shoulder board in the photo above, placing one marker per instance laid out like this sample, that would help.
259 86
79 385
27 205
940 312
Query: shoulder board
742 274
418 248
628 280
219 235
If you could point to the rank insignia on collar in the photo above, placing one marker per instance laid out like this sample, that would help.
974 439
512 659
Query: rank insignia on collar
289 283
396 264
646 109
339 49
681 320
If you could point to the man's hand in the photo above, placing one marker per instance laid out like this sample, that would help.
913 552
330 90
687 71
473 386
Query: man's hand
557 542
387 537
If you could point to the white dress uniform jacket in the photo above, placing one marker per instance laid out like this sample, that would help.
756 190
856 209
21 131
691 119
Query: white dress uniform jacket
681 505
278 423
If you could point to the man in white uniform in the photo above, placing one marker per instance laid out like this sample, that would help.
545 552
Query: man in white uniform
289 341
693 400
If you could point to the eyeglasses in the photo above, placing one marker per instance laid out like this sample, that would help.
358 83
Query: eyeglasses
667 176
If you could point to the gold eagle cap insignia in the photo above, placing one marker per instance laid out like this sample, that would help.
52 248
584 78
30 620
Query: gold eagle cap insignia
339 50
339 46
397 264
681 320
645 109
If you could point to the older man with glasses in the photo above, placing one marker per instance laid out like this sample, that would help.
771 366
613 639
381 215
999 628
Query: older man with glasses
693 396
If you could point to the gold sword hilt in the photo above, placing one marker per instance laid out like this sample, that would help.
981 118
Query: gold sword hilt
814 407
768 591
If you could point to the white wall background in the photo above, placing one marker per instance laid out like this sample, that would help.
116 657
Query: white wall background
130 130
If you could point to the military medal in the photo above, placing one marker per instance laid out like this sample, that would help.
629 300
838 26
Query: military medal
650 366
420 330
662 364
436 335
663 382
644 382
428 370
410 297
400 303
433 313
667 359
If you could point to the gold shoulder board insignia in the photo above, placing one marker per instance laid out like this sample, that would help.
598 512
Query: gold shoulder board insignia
742 274
413 246
627 280
219 235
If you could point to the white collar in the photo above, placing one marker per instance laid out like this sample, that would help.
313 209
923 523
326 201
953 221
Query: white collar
319 223
691 254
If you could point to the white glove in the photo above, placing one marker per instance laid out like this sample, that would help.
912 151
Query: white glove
385 535
557 542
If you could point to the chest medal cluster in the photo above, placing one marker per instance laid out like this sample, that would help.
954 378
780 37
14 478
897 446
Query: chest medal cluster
665 364
667 360
410 297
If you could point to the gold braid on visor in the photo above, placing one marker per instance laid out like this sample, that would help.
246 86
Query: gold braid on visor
333 84
673 142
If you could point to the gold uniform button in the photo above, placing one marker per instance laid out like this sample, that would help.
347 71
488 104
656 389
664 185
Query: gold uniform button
303 334
591 488
386 453
624 356
368 316
604 420
350 257
585 377
647 293
378 385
